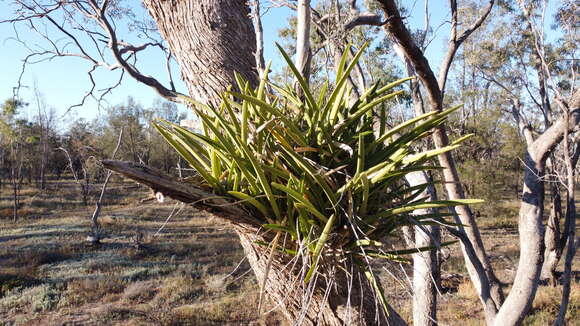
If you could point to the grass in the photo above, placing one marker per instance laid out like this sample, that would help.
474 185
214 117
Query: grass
50 275
187 274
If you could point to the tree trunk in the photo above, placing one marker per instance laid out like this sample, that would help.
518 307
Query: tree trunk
14 197
531 231
210 39
426 272
570 236
261 66
334 301
349 300
303 55
553 252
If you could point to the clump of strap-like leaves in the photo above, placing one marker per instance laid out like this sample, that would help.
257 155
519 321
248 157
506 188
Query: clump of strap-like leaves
327 174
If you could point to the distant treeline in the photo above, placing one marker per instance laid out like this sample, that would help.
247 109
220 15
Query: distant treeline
34 150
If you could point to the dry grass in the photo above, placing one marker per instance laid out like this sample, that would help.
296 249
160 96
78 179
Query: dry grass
49 275
186 275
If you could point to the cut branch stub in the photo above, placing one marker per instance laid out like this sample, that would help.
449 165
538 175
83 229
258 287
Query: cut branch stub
184 192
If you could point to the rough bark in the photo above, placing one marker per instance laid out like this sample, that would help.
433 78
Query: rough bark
210 39
337 300
349 300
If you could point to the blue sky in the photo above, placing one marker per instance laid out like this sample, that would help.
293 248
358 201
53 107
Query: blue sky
63 81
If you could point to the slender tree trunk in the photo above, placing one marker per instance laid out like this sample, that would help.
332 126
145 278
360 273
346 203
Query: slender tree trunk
570 226
43 139
14 196
303 54
570 229
16 175
555 239
261 66
426 273
531 230
553 252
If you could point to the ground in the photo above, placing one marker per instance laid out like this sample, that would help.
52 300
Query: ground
189 270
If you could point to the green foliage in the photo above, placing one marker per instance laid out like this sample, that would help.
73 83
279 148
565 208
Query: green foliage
141 142
8 113
314 168
490 162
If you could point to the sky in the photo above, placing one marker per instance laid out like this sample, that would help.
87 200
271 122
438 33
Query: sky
64 81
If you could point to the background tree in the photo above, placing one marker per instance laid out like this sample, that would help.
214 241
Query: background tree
81 150
16 136
531 228
541 71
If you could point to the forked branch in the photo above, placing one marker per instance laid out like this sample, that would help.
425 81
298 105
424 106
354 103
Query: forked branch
89 33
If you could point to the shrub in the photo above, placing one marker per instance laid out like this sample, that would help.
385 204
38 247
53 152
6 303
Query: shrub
315 168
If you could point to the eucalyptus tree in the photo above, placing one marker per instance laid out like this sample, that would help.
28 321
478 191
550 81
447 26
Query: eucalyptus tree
517 304
15 139
210 40
537 78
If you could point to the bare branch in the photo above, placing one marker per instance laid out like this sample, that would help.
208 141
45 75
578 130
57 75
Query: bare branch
97 211
455 41
98 40
187 193
363 19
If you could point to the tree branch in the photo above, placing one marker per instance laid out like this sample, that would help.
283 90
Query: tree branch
455 42
545 143
79 16
184 192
